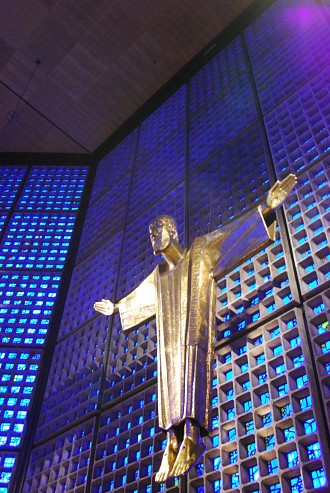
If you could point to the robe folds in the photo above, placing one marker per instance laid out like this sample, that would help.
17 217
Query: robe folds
183 299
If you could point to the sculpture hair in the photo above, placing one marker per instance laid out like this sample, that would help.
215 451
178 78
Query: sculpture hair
170 224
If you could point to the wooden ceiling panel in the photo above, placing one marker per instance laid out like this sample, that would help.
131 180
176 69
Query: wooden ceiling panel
100 61
31 131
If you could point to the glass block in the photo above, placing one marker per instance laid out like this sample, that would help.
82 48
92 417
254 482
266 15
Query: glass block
319 478
272 466
309 425
296 485
275 488
314 450
292 458
289 433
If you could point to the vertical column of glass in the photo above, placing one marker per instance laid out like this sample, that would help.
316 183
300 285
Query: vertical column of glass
40 217
63 454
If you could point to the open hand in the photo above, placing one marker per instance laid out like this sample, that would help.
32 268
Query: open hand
106 307
279 191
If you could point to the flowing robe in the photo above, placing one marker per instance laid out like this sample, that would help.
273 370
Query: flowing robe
183 299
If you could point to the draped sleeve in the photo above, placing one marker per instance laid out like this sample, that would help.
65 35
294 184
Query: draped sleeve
139 305
237 241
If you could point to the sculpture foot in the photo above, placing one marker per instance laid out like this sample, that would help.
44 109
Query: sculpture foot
189 455
168 460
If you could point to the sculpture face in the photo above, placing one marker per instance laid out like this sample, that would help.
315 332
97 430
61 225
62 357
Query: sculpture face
162 231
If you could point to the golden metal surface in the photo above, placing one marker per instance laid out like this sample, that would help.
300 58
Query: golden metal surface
182 293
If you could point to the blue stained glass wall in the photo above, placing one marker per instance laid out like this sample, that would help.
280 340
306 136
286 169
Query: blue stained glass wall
258 110
38 210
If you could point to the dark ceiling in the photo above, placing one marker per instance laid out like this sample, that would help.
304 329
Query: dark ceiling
100 60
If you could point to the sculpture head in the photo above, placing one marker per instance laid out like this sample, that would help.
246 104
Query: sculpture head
162 230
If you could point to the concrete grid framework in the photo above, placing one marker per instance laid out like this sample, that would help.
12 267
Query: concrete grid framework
255 112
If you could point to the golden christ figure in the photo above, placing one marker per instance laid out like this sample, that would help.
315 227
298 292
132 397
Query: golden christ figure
181 292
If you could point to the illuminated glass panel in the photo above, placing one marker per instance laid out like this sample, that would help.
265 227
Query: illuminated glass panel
35 241
7 462
275 488
285 411
269 442
264 398
232 434
249 426
282 389
272 466
27 304
251 449
216 463
319 478
297 485
289 433
235 480
233 456
314 450
253 473
53 189
217 486
11 178
309 425
292 458
305 402
18 370
247 406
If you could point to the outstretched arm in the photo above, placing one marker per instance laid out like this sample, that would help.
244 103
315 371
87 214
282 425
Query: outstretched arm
278 193
106 307
245 236
134 308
